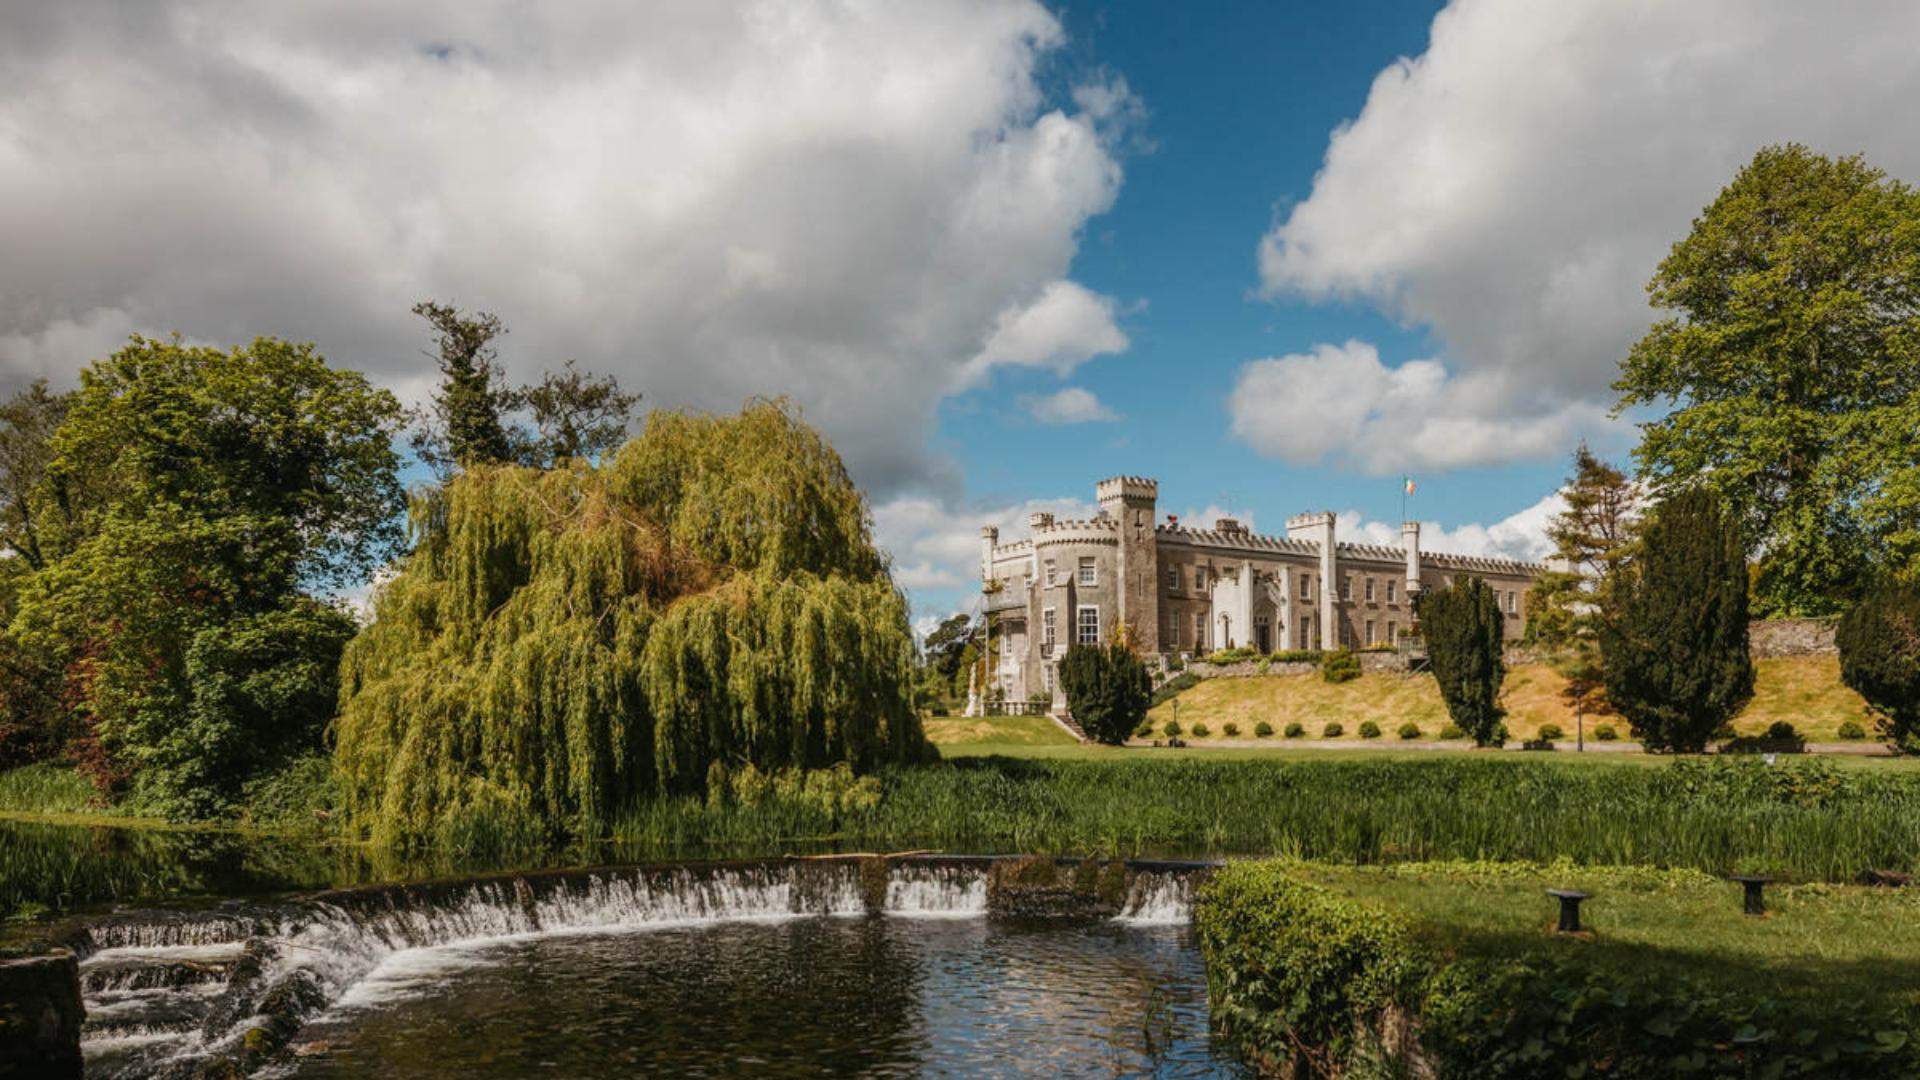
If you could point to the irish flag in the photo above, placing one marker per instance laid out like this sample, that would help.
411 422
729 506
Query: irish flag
1409 481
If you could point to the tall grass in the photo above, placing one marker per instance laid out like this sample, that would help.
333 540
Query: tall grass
46 788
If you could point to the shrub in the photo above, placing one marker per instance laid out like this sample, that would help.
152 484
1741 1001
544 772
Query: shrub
1850 730
1879 640
1172 730
1369 729
1295 729
1464 628
1296 656
1675 649
1230 729
1605 733
1333 730
1782 730
1173 687
1452 731
1550 732
1107 690
1236 655
1263 730
1340 666
1200 731
1409 730
1144 731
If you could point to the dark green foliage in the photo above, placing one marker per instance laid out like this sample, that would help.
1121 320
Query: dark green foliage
1172 730
1787 372
1409 730
561 644
1463 628
577 415
1594 536
1369 729
1295 970
1851 730
1675 650
1296 656
1310 982
1879 641
1173 687
1230 729
1263 730
1200 731
1295 729
1605 733
28 421
467 422
1550 732
1340 666
1238 655
1332 730
1107 690
1452 731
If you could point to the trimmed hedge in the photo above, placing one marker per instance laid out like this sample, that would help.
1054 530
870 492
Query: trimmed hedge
1310 982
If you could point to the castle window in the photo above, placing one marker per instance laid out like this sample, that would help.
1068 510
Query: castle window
1306 632
1173 578
1510 602
1046 632
1086 570
1199 578
1389 590
1087 631
1048 669
1346 588
1369 600
1306 587
1049 571
1370 638
1199 630
1393 633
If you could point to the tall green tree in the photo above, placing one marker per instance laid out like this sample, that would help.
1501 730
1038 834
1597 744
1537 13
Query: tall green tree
1675 649
1791 367
27 423
1879 640
1108 690
202 495
577 415
1464 629
1591 538
467 422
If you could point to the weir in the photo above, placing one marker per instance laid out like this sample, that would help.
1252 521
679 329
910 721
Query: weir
174 991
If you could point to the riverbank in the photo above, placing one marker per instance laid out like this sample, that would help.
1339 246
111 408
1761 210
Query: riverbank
1456 969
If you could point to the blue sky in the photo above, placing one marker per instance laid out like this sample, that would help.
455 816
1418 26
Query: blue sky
1274 255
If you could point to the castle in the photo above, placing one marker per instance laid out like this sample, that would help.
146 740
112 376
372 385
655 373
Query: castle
1185 590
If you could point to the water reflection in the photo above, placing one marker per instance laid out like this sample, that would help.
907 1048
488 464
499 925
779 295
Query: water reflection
877 996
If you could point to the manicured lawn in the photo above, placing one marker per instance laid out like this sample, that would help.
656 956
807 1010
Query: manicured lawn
1843 939
964 732
1806 691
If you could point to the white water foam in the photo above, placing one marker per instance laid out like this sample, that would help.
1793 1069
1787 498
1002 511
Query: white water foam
1158 898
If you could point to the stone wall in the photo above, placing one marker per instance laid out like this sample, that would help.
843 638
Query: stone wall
1791 637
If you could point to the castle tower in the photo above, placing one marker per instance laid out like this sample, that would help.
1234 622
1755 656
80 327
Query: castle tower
1410 540
1129 502
1317 528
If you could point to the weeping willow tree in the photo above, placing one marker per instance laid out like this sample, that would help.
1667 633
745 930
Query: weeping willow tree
562 643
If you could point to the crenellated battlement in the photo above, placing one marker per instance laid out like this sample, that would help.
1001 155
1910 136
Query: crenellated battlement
1128 488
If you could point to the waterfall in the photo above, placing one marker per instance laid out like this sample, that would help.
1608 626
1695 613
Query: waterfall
167 991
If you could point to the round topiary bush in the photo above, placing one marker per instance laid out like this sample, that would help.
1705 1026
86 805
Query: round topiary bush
1230 729
1200 731
1333 730
1409 730
1144 731
1172 730
1852 730
1550 732
1263 730
1605 733
1452 731
1295 729
1369 729
1340 666
1782 730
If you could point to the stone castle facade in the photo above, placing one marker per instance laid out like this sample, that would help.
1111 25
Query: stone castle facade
1185 590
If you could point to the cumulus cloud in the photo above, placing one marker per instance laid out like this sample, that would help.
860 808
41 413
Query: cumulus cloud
1513 188
1521 535
936 548
849 204
1072 405
1063 327
1340 403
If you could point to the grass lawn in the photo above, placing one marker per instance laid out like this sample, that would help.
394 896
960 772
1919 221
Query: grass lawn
1822 939
964 732
1803 690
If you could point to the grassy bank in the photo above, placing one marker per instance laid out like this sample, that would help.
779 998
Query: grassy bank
1805 691
1670 978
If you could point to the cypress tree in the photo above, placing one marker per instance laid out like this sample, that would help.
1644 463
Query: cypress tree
1879 640
1463 628
1674 650
1107 690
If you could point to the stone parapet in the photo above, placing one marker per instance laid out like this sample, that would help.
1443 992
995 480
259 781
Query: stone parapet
1791 637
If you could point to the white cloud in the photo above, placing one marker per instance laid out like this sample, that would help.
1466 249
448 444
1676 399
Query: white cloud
1522 535
1205 517
936 549
1340 403
847 204
1063 327
1071 405
1514 187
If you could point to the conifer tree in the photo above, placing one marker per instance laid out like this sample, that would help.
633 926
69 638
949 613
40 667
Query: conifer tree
1879 640
466 424
1463 627
1107 690
1675 649
1591 539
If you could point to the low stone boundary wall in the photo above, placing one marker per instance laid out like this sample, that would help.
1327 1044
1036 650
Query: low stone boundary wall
1770 638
